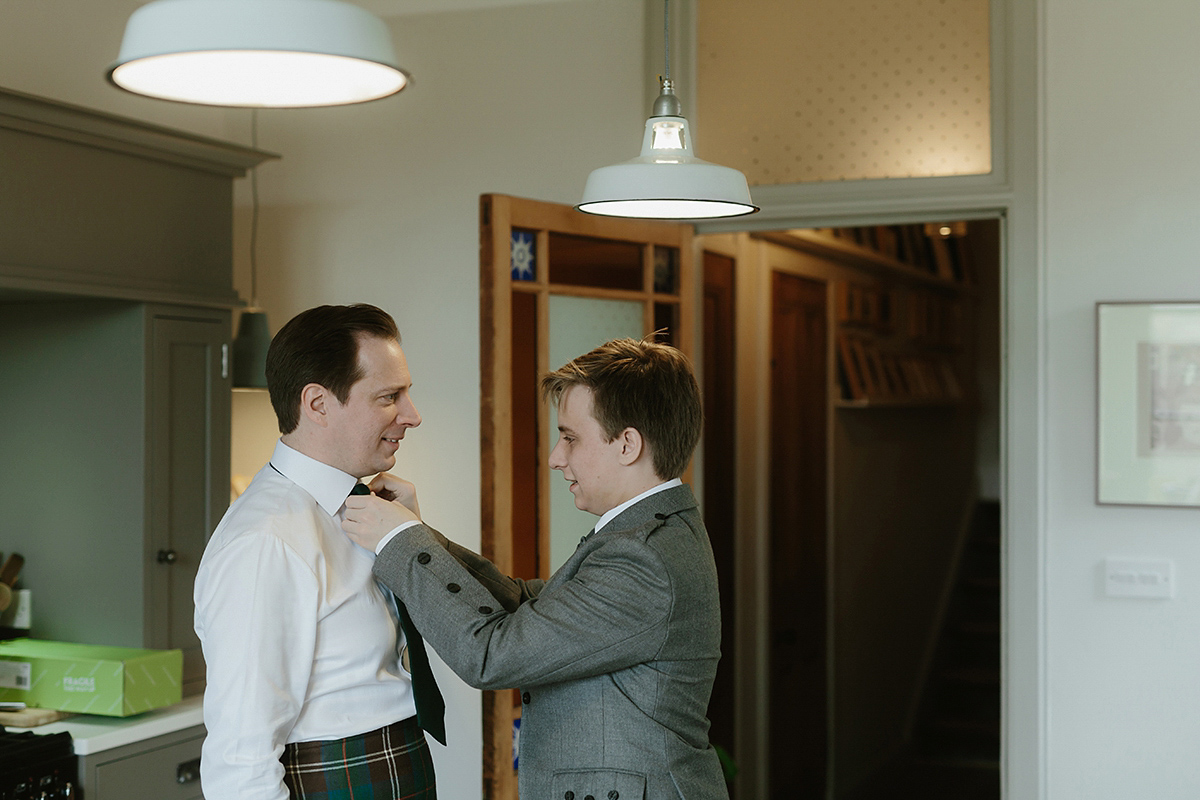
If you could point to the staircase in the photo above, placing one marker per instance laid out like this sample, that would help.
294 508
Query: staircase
955 753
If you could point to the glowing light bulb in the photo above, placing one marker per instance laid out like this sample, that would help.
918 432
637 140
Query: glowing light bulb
668 135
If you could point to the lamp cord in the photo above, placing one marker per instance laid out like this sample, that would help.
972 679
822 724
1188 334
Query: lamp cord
667 39
254 212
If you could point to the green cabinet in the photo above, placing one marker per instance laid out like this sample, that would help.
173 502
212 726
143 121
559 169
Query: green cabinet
188 382
115 463
116 290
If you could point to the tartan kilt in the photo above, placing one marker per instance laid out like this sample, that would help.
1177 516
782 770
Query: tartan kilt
392 763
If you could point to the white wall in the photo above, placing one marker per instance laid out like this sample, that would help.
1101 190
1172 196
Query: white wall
379 203
1122 181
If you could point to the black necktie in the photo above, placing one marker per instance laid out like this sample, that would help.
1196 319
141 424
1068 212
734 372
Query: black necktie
431 708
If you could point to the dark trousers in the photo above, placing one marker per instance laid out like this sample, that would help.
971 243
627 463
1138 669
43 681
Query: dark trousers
392 763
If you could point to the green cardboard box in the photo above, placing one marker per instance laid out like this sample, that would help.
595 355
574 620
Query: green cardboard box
89 679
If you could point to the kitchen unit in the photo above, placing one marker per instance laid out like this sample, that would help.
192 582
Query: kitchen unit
116 294
153 756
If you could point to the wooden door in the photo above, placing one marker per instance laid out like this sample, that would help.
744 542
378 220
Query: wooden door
537 257
720 478
798 530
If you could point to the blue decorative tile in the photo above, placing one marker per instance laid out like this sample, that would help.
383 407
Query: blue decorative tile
524 256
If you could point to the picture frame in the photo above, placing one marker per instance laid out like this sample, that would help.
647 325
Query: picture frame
1148 403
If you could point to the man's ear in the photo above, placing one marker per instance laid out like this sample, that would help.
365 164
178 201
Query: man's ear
313 404
632 445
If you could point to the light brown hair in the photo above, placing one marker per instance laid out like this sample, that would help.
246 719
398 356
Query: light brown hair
644 385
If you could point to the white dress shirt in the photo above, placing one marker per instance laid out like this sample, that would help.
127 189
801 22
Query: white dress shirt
299 639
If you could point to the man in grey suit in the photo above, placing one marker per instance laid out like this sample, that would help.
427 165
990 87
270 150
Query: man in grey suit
616 653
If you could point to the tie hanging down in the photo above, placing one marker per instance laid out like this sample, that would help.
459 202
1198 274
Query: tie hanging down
431 708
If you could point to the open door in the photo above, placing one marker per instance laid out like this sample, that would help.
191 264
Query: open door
554 283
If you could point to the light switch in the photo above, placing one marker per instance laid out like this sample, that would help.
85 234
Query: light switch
1130 577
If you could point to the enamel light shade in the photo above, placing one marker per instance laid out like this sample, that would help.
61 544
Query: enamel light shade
257 53
667 181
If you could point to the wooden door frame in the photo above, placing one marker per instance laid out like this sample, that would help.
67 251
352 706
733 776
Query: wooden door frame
499 215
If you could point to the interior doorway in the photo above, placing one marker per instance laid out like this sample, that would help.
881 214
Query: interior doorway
902 343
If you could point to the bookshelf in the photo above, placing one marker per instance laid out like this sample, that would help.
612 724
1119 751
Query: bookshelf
900 319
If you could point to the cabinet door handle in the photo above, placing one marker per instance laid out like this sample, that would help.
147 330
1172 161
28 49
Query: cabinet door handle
188 771
167 556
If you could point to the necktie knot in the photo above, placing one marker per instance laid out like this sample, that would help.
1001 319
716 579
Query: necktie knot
360 488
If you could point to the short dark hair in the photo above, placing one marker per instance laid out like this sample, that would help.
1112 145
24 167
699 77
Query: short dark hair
320 346
645 385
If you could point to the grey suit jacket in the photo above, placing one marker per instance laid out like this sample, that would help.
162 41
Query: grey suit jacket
615 654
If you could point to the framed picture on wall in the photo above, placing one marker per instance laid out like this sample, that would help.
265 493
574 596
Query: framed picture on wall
1148 403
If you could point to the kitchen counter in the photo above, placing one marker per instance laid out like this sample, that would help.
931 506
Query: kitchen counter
94 734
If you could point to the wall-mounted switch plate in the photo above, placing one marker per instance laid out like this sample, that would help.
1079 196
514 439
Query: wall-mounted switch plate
1137 577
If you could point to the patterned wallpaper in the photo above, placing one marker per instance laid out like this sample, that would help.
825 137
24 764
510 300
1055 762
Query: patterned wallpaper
792 91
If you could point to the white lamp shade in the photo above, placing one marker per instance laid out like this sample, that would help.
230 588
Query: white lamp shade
257 53
667 181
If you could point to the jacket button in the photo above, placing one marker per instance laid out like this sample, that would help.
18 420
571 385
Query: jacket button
613 795
569 796
525 698
424 558
589 797
485 609
453 587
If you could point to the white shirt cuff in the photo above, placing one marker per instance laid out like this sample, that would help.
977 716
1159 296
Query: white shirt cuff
392 534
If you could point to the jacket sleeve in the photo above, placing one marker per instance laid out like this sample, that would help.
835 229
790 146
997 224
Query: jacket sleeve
612 613
509 592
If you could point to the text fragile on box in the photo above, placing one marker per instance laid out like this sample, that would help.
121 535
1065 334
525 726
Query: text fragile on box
89 679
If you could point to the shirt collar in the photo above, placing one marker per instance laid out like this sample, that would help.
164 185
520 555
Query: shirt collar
329 486
611 514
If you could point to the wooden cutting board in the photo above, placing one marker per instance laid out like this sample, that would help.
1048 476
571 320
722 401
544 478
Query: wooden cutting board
31 717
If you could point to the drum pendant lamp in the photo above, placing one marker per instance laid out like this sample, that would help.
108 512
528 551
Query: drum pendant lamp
667 181
257 53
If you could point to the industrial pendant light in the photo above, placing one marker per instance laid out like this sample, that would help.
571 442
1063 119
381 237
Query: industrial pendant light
254 335
667 181
257 53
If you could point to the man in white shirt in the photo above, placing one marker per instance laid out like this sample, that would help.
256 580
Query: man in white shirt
306 695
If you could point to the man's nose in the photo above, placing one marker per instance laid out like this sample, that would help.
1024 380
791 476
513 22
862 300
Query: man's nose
556 462
409 415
